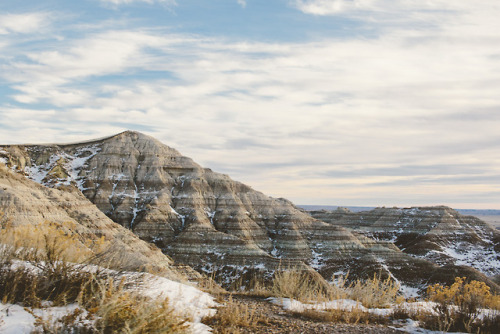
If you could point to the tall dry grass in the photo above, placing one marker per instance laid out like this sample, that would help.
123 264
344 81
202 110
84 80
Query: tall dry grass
117 310
306 287
374 292
234 316
50 270
300 285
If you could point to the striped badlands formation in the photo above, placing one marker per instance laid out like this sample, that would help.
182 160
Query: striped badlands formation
438 234
24 203
202 218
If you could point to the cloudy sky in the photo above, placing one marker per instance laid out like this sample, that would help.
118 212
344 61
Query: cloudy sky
335 102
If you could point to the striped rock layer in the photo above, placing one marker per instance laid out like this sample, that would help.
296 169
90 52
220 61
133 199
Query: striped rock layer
439 234
202 218
26 204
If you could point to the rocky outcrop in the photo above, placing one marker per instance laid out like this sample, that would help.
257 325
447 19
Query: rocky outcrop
439 234
25 203
202 218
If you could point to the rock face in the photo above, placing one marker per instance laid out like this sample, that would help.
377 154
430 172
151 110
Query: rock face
439 234
23 202
203 218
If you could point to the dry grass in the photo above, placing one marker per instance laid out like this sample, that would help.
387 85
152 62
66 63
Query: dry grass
300 285
49 241
119 311
375 292
209 285
109 307
54 274
354 316
233 316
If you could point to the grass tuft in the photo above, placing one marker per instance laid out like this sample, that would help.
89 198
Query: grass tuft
233 316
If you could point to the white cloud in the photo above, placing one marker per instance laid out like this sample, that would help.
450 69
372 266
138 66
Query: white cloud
22 23
125 2
378 7
44 78
242 3
332 7
413 14
277 115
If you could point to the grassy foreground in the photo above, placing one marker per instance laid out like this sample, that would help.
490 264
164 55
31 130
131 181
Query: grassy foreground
42 267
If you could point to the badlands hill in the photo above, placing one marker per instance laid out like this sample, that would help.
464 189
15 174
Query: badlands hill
28 206
438 234
207 220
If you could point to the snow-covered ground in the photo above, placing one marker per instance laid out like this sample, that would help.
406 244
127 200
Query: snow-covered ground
16 319
188 302
408 325
340 304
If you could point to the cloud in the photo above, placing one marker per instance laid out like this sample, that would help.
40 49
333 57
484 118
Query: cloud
337 120
126 2
373 7
44 77
22 23
242 3
332 7
413 14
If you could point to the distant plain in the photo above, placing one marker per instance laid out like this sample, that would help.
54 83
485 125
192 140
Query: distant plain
494 220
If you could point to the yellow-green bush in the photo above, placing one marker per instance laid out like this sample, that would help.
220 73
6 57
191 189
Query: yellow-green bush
458 307
468 296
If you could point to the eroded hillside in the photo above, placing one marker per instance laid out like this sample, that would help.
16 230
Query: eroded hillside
438 234
205 219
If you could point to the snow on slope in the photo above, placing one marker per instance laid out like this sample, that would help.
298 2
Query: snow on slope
188 302
71 163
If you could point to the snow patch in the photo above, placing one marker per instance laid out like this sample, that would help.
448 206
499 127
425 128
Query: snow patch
317 261
187 300
72 164
408 291
15 319
340 304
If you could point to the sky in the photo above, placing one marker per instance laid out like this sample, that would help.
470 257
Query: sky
327 102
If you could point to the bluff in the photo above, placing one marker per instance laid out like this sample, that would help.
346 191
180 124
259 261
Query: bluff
202 218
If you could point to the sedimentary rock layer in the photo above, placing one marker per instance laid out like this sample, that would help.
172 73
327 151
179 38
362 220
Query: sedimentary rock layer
26 203
439 234
199 217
